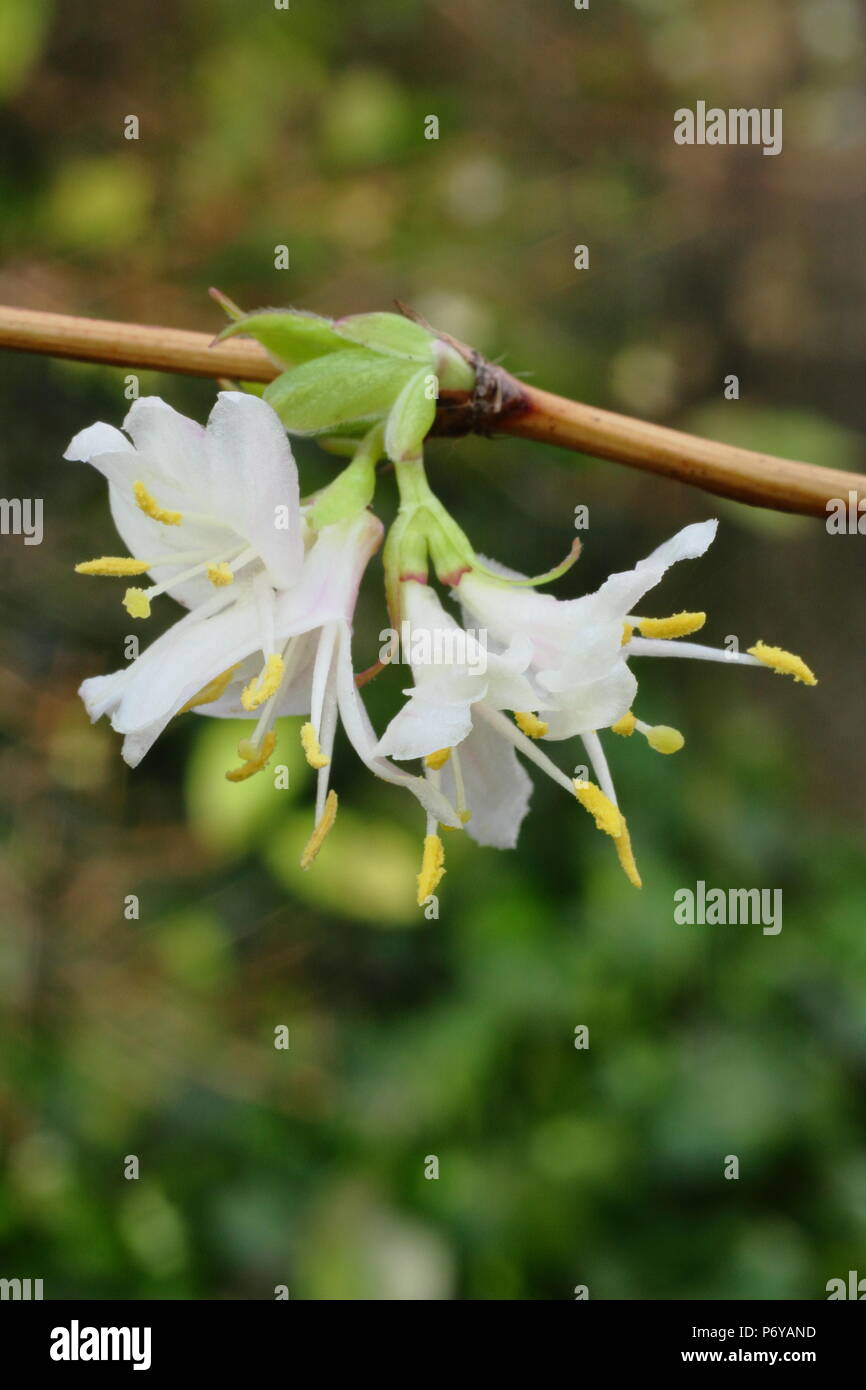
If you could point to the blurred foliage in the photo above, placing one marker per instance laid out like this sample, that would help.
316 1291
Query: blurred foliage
454 1037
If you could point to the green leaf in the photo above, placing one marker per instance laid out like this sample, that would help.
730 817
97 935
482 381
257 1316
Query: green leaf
289 335
411 416
337 389
390 333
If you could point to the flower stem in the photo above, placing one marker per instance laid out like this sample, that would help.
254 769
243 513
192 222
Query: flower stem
353 489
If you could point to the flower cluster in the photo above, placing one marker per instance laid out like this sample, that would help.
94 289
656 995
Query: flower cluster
214 517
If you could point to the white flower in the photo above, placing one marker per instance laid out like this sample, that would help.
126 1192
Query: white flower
577 644
315 637
445 720
199 509
576 682
581 649
275 636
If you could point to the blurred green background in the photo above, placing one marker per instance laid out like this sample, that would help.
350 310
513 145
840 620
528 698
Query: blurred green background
453 1037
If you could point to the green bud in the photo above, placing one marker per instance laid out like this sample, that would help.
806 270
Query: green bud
388 333
423 527
411 416
289 335
334 390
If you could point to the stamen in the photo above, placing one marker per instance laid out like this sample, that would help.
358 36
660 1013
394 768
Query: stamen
115 566
220 575
151 507
524 745
263 686
210 692
432 868
678 625
255 758
136 603
607 816
312 752
661 737
625 727
459 787
627 634
316 840
530 724
437 759
619 829
785 663
622 841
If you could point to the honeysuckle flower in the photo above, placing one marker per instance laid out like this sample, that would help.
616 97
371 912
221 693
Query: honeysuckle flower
198 508
275 636
580 654
447 723
319 679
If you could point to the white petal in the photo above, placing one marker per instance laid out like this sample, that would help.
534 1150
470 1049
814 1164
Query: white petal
423 727
97 439
688 544
423 608
507 686
170 445
362 736
169 463
497 787
335 564
596 705
544 620
101 694
252 481
619 594
183 660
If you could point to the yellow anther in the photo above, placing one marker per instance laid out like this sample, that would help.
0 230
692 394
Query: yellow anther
136 603
622 841
627 634
220 575
254 758
116 566
438 759
678 625
310 744
607 816
151 507
317 839
263 686
530 724
465 815
432 868
625 726
785 663
210 692
664 739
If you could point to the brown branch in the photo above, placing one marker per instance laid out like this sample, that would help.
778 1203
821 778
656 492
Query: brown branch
508 406
133 345
762 480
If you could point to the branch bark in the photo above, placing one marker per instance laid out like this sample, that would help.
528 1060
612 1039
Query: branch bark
525 411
